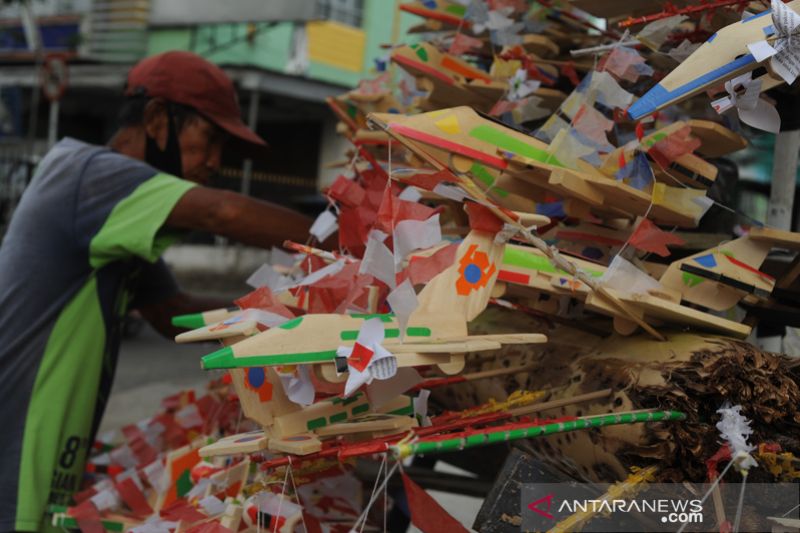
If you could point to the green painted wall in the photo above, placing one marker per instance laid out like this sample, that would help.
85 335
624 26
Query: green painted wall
378 19
227 43
270 48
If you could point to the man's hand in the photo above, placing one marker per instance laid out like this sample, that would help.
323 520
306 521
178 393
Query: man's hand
238 217
160 315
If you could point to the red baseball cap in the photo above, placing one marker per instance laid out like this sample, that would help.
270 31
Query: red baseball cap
188 79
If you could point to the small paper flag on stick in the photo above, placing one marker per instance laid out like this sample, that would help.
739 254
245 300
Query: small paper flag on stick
426 513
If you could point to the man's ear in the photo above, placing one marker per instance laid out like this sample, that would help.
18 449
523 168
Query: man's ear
155 121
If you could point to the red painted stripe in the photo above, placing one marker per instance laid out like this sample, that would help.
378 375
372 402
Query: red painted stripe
450 146
464 70
427 69
438 382
435 15
749 268
514 277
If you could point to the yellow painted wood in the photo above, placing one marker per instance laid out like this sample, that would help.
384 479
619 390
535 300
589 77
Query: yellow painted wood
336 45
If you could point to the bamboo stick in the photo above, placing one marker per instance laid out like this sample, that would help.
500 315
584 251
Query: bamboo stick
531 431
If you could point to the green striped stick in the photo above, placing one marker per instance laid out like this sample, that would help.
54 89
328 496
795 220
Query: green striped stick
402 450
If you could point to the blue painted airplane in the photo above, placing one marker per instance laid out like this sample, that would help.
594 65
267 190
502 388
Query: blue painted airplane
722 57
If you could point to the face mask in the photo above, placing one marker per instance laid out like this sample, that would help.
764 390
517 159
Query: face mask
167 160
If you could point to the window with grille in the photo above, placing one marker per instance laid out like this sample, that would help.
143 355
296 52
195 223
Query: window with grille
348 12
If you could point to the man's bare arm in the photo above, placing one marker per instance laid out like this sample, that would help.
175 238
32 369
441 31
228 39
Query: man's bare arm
160 315
238 217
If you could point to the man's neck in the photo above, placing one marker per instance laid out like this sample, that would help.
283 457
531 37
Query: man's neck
128 141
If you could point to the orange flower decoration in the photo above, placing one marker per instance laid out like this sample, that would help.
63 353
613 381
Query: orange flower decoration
475 271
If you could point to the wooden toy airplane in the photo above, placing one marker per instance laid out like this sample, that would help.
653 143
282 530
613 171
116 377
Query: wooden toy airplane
723 276
715 279
528 268
441 75
451 81
229 322
286 426
290 428
436 330
352 107
487 151
722 57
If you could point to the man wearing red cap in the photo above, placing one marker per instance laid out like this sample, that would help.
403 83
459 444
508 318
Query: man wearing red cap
83 248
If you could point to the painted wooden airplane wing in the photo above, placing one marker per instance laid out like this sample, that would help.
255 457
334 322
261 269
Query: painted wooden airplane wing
720 277
444 12
237 325
462 140
424 59
655 308
716 140
250 442
542 46
371 426
495 90
207 318
442 76
722 57
687 168
527 267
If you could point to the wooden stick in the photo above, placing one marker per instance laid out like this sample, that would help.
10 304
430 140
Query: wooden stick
330 257
690 10
603 48
719 507
535 429
439 382
537 407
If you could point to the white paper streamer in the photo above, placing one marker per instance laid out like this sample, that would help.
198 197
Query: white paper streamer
735 429
324 226
212 505
784 53
623 276
743 94
410 235
403 301
297 385
378 260
370 337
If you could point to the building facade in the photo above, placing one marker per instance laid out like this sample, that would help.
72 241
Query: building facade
285 58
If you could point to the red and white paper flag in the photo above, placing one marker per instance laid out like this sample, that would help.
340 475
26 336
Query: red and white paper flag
367 359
